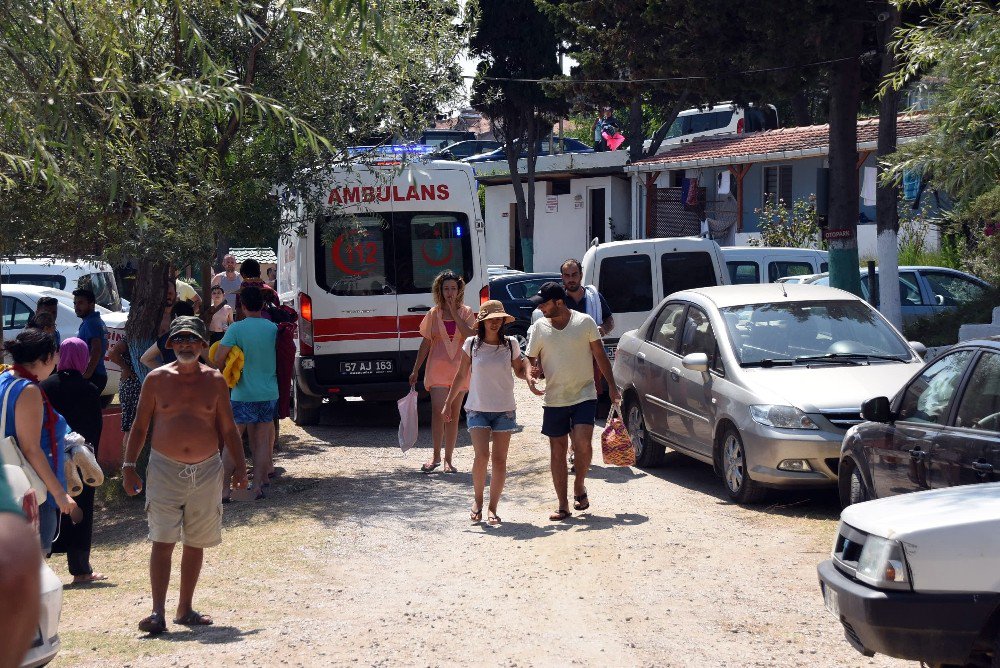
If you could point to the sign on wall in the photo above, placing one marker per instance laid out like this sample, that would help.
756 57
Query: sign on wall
551 203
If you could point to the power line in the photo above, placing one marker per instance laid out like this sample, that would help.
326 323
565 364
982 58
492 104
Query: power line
764 70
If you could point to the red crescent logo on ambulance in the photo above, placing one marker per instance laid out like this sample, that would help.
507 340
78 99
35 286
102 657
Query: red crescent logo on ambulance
338 260
437 263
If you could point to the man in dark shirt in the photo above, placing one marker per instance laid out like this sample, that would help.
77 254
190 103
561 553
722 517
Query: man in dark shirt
95 334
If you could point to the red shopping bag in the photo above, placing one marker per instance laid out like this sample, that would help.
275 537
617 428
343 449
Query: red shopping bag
616 446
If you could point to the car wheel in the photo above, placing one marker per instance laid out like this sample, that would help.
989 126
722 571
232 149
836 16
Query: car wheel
741 487
648 454
305 409
520 334
852 485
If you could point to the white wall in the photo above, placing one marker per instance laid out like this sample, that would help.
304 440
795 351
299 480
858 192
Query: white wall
563 233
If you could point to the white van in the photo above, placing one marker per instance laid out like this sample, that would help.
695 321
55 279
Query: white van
65 274
635 276
760 264
360 276
722 119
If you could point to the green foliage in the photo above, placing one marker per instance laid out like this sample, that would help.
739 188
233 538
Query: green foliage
783 226
959 44
977 224
942 329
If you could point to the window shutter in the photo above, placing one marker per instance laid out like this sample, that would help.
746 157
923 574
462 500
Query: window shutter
770 183
785 185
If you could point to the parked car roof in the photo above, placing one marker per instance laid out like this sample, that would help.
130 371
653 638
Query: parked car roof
760 293
571 146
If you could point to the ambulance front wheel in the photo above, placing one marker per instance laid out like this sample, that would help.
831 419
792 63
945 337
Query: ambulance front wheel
305 409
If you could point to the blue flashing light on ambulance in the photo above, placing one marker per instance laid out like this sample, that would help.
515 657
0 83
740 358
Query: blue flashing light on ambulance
360 274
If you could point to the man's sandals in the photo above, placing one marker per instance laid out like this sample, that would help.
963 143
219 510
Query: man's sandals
560 515
581 502
193 618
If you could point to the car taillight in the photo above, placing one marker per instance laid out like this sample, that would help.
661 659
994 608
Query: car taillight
29 506
305 324
484 294
739 126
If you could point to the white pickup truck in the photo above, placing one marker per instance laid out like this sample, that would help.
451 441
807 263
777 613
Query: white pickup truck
917 576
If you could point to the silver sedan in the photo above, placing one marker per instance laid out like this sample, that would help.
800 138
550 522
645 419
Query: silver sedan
761 381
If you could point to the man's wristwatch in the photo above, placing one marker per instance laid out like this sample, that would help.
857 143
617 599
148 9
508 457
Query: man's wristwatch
128 465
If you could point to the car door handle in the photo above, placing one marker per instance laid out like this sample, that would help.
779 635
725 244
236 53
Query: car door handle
419 309
641 357
982 468
675 373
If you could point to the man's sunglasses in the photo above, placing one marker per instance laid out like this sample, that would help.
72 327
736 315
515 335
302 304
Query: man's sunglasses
185 338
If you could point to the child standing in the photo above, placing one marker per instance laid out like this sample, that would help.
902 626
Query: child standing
222 318
491 408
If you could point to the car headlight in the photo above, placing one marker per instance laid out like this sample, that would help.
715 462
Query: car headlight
883 564
782 417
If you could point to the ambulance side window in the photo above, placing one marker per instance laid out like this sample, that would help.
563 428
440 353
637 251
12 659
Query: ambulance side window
428 244
351 255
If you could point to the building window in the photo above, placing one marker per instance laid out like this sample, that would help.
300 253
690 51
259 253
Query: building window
778 184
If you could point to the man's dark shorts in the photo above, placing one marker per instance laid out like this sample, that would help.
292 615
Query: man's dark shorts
560 420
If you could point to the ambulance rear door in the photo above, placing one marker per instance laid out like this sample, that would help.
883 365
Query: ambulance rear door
356 328
434 226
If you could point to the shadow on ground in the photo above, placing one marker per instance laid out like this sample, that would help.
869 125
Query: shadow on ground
697 476
206 635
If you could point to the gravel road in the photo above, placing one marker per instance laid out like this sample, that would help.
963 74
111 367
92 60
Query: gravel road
356 558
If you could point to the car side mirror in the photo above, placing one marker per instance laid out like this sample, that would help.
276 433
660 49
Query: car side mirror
696 362
876 410
918 348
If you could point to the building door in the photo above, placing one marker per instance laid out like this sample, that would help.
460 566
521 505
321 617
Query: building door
516 261
598 223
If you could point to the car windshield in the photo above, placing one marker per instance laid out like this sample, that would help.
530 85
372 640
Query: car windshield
786 333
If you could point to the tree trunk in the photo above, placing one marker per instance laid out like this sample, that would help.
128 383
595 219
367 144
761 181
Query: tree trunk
661 132
887 198
528 232
845 93
148 300
635 133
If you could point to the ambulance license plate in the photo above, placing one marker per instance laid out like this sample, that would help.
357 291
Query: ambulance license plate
366 367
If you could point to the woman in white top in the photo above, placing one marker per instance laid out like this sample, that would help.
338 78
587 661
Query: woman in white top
221 319
490 409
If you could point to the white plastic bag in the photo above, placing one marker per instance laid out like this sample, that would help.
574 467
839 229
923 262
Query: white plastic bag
408 420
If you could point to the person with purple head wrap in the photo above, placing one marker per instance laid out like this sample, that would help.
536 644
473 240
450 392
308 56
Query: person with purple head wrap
79 401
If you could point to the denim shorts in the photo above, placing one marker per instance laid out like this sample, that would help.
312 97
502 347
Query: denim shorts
560 420
503 421
253 412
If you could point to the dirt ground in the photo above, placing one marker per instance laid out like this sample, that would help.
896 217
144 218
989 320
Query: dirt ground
356 558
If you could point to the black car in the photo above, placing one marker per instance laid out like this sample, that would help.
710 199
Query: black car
942 429
464 149
542 148
514 291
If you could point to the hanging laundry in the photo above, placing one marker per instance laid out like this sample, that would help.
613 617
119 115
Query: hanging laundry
868 185
911 184
723 183
692 194
685 188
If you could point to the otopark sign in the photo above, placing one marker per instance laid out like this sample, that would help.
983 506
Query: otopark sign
835 235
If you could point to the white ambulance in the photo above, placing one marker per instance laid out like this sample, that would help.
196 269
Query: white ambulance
360 276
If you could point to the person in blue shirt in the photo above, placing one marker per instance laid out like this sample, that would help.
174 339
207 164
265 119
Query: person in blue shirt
255 396
95 334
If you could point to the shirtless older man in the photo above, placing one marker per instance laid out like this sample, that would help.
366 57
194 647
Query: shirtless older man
188 406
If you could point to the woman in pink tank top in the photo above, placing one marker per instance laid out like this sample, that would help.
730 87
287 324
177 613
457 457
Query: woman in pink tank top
444 328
